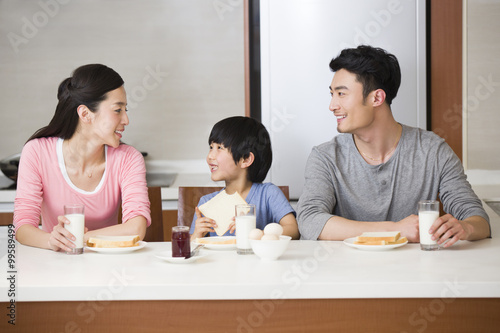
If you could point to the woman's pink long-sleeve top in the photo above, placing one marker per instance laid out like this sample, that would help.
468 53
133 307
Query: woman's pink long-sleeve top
43 187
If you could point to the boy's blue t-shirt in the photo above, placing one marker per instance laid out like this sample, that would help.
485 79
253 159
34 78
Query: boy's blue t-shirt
270 203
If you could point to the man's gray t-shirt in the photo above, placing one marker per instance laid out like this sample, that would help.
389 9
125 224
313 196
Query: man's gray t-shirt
338 181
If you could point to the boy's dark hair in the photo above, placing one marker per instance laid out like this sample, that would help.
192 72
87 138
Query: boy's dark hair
242 136
374 68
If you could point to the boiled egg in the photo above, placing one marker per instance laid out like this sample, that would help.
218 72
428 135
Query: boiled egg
270 237
255 234
273 229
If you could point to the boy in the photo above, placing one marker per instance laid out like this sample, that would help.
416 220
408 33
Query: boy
240 154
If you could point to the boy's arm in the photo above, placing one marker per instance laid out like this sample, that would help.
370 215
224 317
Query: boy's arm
290 227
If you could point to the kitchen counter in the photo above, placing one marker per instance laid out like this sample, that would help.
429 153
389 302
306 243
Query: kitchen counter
190 174
169 194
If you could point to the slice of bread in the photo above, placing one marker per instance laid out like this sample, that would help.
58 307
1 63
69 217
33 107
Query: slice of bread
207 240
388 236
221 209
113 241
399 241
376 242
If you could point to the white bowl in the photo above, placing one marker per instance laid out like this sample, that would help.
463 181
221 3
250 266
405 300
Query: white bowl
270 249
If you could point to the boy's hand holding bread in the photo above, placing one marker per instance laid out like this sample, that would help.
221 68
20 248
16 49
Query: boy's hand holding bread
221 209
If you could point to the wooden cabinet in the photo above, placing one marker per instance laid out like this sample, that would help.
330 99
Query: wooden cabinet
445 74
169 220
6 218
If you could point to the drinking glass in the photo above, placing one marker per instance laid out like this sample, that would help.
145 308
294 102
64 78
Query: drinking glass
245 222
428 212
75 214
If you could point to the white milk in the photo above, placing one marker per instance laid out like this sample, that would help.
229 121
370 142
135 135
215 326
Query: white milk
244 224
76 227
425 221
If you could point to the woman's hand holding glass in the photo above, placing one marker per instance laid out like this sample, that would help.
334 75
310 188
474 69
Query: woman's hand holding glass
60 238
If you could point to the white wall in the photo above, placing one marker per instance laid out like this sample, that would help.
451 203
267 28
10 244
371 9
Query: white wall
195 49
298 40
483 85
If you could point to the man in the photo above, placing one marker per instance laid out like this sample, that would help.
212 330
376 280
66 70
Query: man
372 175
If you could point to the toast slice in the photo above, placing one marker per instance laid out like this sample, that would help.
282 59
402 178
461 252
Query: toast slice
399 241
113 241
207 240
221 209
382 242
376 242
388 236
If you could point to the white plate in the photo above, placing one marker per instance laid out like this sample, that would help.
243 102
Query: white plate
167 256
350 242
218 246
117 250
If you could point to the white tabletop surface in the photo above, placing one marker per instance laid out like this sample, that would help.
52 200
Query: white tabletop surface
308 269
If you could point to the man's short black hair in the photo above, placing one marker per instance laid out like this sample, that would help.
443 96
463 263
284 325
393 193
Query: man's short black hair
374 67
242 136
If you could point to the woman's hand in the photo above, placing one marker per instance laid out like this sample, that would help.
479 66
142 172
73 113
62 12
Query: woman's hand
60 238
202 225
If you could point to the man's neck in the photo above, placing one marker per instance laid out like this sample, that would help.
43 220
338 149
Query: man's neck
378 143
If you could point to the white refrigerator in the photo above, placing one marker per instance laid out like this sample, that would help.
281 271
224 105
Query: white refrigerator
298 38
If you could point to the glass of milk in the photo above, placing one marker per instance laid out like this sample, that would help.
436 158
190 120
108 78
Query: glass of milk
74 213
245 222
428 212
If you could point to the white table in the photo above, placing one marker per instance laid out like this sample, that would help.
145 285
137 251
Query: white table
315 286
323 275
308 269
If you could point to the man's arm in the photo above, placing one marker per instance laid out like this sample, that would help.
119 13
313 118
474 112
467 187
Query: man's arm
317 201
339 228
467 219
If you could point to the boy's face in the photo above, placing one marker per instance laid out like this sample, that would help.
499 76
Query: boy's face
221 164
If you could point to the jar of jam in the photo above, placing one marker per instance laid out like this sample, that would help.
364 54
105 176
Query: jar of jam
181 242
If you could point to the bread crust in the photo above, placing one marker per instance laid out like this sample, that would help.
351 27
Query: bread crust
380 240
113 241
207 240
378 236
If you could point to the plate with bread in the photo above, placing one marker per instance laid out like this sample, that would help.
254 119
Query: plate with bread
217 242
377 241
115 244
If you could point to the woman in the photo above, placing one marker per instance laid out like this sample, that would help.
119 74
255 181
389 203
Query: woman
78 158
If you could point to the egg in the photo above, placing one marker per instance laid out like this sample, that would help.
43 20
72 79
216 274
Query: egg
273 229
255 234
270 237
